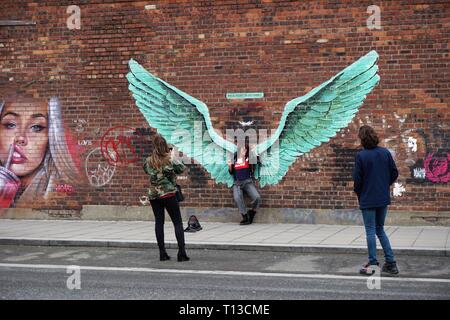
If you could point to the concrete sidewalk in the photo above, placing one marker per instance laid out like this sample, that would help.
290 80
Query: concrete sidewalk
274 237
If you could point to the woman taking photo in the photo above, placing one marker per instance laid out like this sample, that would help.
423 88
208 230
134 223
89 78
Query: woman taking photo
162 194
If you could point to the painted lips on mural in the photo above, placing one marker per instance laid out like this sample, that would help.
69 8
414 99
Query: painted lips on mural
9 182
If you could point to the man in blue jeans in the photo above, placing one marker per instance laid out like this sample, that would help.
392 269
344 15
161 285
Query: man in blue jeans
375 171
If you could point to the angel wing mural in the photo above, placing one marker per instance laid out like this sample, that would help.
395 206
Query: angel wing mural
307 121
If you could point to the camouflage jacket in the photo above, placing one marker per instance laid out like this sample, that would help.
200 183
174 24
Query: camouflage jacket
163 181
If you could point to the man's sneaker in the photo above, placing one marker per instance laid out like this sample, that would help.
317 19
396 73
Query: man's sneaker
368 269
390 267
245 220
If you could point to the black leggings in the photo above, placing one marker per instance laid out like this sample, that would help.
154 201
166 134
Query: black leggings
173 208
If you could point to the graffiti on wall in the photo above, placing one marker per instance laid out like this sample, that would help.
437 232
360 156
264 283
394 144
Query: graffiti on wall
414 151
418 163
117 147
65 188
80 125
416 159
419 173
98 171
412 144
144 200
398 189
437 167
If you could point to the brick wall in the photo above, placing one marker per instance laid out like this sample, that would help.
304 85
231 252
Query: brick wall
209 48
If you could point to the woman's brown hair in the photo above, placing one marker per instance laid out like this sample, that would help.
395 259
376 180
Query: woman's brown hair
368 136
161 153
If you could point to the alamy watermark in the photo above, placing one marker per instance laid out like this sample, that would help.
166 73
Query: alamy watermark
74 20
74 280
374 281
374 21
199 145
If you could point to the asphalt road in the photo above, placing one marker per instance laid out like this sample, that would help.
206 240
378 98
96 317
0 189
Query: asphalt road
31 272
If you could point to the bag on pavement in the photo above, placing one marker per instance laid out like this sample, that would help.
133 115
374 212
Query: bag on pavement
193 225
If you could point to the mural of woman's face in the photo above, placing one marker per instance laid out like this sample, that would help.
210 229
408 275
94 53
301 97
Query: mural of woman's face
24 123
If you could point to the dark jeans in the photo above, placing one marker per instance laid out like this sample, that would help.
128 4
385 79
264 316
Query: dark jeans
173 208
374 224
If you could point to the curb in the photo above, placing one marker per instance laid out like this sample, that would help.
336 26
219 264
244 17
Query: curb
217 246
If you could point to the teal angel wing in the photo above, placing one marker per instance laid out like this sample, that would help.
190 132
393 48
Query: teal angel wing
182 120
312 119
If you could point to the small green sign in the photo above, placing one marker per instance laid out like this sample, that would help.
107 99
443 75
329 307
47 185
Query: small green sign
245 95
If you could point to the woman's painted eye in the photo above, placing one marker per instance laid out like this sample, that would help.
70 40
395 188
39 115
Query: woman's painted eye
37 128
9 125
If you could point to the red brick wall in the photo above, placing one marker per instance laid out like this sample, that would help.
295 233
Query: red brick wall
209 48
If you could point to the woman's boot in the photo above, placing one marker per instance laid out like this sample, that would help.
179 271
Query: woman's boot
182 256
163 256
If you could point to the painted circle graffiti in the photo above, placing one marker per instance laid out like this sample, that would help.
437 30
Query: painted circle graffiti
116 146
437 168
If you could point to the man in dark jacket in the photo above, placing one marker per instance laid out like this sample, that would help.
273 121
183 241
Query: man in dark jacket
375 171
